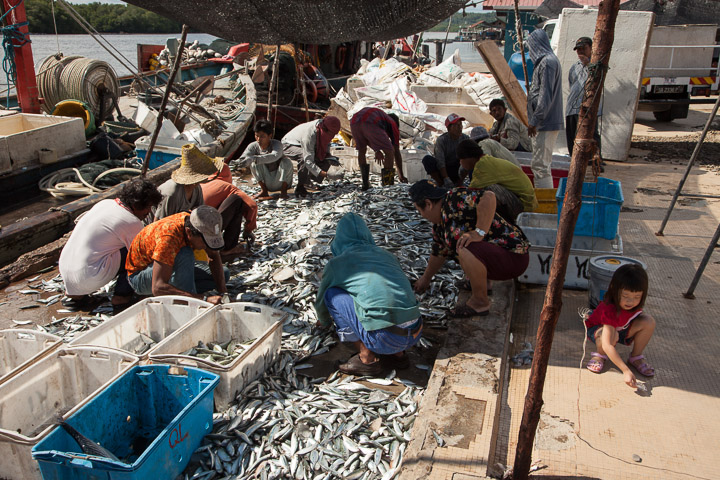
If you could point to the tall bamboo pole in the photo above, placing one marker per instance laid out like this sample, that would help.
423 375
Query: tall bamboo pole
582 153
166 95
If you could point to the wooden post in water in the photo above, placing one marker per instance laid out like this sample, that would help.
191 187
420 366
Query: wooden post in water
583 151
166 95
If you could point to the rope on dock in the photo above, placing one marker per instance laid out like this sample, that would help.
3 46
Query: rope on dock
78 78
69 182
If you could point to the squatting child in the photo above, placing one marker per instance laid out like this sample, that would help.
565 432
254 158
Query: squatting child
619 318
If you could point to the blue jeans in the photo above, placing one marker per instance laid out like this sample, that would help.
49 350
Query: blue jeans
341 306
188 275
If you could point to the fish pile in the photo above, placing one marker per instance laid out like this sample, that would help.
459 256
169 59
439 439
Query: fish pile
288 426
294 236
221 353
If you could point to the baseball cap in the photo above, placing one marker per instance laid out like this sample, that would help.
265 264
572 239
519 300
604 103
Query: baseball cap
426 189
582 41
208 221
453 118
479 133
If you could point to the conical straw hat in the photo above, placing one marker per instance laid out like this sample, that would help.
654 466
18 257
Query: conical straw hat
195 166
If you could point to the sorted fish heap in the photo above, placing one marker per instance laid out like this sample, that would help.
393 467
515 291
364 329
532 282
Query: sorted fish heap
145 344
287 426
70 327
222 353
525 357
295 237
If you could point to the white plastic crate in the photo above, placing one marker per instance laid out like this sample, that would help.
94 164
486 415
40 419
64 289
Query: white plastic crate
57 385
412 164
238 321
19 348
541 230
156 317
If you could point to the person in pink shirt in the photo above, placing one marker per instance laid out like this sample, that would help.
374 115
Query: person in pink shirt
619 319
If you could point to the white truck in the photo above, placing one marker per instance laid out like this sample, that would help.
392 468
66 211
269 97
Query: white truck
681 68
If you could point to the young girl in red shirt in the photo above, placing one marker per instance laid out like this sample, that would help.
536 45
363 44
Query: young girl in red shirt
620 319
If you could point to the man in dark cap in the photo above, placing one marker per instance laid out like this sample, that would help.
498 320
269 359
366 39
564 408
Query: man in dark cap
444 166
577 78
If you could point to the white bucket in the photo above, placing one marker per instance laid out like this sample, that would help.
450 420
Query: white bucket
602 269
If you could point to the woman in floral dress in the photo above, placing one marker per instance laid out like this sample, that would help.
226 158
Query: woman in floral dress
466 228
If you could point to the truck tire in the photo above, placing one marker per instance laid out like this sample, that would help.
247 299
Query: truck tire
664 116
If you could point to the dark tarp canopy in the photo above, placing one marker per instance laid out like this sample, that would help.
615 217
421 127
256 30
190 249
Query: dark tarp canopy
306 21
667 12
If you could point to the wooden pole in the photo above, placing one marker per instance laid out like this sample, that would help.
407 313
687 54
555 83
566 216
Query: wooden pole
271 87
518 28
582 153
166 95
303 88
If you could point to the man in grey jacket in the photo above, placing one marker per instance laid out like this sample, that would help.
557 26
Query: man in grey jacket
544 104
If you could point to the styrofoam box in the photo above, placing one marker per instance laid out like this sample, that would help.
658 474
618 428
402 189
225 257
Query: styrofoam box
57 385
541 230
412 161
237 321
19 348
156 317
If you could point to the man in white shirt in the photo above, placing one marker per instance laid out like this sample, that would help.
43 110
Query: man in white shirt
97 248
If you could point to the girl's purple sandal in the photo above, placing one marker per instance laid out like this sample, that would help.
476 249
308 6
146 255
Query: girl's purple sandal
641 366
597 362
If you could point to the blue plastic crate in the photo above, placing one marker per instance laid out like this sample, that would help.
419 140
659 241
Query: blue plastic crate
152 419
600 210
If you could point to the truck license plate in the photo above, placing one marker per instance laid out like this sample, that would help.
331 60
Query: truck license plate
668 88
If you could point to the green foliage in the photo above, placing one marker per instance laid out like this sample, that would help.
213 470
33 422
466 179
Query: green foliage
106 18
458 21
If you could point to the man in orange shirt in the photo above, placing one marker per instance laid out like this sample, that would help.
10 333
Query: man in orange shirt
161 259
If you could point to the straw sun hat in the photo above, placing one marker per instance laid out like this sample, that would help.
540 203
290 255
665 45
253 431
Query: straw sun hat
195 166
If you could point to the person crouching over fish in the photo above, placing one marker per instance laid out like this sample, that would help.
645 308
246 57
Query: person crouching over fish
371 126
161 260
366 294
467 228
308 144
98 246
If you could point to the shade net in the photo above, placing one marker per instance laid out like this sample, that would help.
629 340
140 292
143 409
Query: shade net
306 21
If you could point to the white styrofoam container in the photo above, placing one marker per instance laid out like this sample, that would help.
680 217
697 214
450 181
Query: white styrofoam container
541 230
23 135
238 321
156 317
20 347
412 164
57 385
412 161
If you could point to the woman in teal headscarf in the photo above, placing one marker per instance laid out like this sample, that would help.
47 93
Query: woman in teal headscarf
369 298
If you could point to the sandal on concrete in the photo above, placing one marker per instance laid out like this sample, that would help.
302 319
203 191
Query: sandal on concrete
465 310
597 362
355 366
641 366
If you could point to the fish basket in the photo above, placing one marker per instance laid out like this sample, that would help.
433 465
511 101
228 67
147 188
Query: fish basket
243 322
152 419
600 210
541 231
141 327
57 385
20 348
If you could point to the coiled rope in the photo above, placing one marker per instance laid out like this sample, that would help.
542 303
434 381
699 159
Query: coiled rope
65 182
10 34
78 78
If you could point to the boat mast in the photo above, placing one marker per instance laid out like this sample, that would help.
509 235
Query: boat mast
25 81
